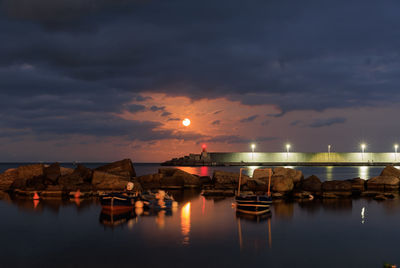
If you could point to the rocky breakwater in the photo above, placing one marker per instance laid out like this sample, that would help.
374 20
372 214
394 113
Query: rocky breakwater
290 184
54 181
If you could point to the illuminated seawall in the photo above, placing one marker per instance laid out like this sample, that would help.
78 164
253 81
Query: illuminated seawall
283 158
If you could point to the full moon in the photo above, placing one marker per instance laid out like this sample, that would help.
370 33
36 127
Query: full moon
186 122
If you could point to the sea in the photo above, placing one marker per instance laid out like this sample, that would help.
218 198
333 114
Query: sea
203 232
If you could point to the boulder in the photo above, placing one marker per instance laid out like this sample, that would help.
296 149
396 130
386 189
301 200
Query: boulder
336 186
107 181
151 181
357 185
227 180
7 178
36 183
261 174
80 176
84 172
311 184
30 171
294 174
302 194
52 173
218 193
336 194
383 183
66 171
391 171
180 177
282 184
122 168
256 185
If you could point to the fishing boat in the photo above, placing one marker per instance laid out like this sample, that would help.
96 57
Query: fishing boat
253 204
118 201
157 201
112 218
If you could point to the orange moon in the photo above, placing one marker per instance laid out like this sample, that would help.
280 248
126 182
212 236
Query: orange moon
186 122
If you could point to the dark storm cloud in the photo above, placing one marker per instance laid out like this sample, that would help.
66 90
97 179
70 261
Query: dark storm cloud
321 122
166 114
157 108
248 119
327 122
63 57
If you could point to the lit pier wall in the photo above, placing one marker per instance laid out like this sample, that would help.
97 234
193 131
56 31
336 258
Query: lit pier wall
283 157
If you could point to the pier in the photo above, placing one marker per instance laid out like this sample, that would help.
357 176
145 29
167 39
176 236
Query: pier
286 159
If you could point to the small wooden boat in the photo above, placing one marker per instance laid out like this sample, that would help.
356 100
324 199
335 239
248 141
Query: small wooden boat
253 204
112 218
157 201
118 201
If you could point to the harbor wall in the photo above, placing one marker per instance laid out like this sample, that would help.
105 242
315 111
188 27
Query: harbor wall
295 157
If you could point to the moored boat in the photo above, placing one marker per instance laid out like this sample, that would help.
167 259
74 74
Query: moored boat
253 204
118 201
157 201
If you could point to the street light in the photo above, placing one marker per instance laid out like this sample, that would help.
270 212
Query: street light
363 150
252 150
395 151
287 150
329 152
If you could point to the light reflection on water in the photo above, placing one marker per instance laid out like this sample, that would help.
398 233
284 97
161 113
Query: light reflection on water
363 172
185 223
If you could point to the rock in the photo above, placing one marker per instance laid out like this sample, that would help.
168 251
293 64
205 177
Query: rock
7 178
294 174
256 185
151 181
122 168
107 181
173 182
30 171
52 173
301 194
383 183
66 171
205 180
311 184
80 176
218 193
390 171
36 183
380 197
169 176
336 194
84 172
282 184
227 180
261 174
18 184
277 195
336 186
357 185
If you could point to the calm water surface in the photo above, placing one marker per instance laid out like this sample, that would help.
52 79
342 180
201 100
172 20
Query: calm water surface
203 232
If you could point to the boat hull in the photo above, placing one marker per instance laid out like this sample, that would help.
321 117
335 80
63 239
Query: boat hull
253 204
117 201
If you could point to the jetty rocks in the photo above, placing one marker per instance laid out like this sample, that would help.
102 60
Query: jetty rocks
55 181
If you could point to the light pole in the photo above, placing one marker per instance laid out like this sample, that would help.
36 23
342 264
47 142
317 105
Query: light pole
362 151
252 151
329 152
395 151
287 150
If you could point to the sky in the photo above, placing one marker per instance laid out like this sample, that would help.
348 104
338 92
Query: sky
102 80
